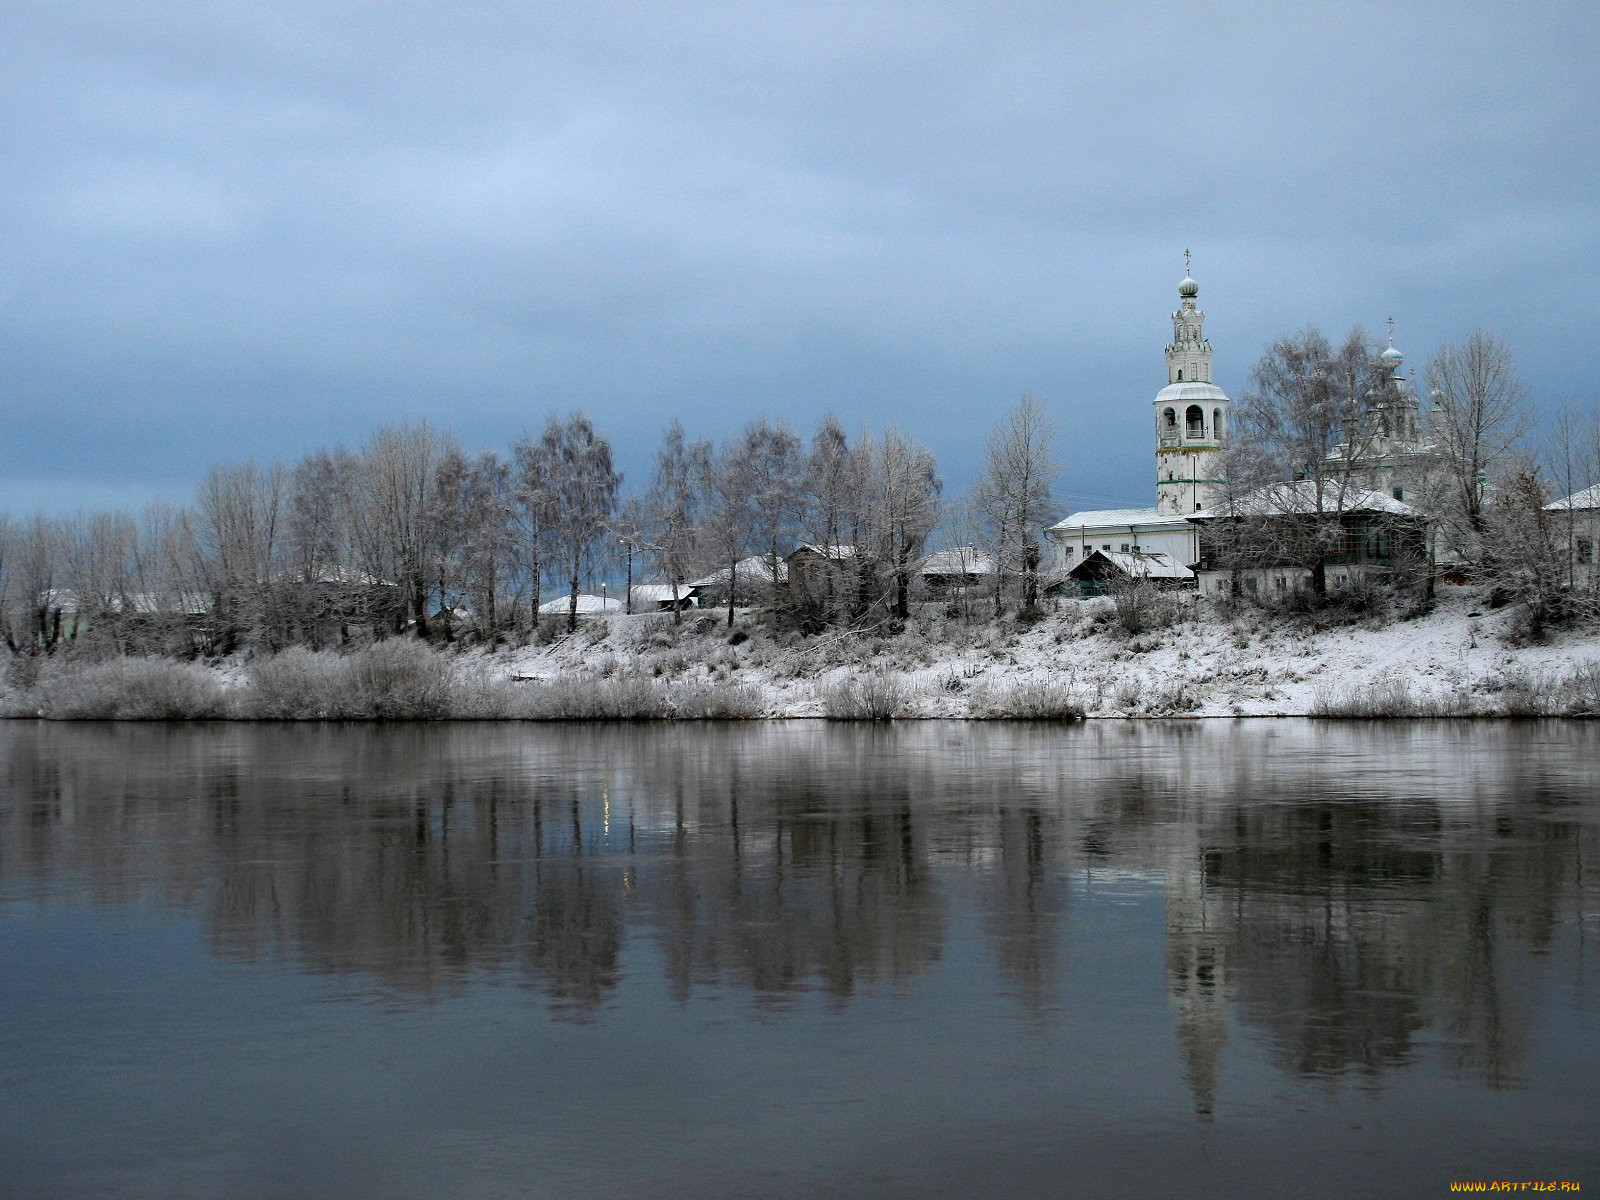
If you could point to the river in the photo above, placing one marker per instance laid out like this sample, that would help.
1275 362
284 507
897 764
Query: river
797 959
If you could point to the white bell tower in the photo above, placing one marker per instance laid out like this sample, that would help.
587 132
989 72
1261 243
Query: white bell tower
1191 411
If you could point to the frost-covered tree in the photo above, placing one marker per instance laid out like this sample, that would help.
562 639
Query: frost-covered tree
1478 416
672 509
727 517
582 488
1015 498
906 489
1307 418
770 465
239 539
390 497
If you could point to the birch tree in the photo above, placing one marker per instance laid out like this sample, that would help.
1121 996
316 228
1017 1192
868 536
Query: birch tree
1307 417
672 509
1478 416
1015 498
907 487
582 489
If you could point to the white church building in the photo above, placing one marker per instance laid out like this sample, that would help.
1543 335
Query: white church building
1191 419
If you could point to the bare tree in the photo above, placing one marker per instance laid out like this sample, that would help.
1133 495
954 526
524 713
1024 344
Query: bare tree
391 501
1014 499
770 464
836 492
1478 417
1308 417
726 516
582 495
672 509
533 511
906 510
239 514
39 615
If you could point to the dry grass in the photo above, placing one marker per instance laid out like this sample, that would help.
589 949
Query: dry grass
867 696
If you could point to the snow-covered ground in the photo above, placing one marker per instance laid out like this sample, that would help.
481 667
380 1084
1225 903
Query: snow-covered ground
1456 658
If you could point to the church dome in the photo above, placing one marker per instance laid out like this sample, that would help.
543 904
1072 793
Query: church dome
1392 358
1188 289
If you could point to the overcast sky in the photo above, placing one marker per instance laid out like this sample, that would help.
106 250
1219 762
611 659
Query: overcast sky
238 230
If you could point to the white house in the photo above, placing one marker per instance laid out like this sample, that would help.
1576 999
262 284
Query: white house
1580 515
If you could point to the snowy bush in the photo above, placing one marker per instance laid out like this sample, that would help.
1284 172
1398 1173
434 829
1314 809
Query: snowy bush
716 702
1029 700
133 689
297 685
398 680
868 696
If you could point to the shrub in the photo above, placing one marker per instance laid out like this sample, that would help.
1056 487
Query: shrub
1172 698
134 689
1139 605
716 702
1385 695
624 697
398 679
298 685
1030 700
868 696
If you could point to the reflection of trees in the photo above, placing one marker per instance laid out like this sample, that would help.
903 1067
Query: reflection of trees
1331 903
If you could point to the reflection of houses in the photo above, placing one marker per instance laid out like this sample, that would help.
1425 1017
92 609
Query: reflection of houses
1270 539
1103 570
1579 514
1191 420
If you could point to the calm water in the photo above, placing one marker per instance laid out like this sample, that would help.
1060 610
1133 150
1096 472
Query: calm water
797 960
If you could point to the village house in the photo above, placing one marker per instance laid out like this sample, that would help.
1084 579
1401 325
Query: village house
1579 514
751 579
1272 539
1102 571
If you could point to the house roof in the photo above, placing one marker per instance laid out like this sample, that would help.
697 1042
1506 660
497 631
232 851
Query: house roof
755 569
1100 518
1300 499
587 604
958 560
1589 498
840 551
658 593
1136 566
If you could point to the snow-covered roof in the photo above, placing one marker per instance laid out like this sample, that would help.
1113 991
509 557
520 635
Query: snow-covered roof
1138 566
755 569
1589 498
587 604
840 551
1300 499
658 593
192 604
958 560
1190 392
1102 518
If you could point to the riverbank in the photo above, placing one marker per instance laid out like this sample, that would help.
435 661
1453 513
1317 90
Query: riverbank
1075 661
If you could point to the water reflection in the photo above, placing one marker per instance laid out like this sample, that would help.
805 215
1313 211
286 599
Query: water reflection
1353 897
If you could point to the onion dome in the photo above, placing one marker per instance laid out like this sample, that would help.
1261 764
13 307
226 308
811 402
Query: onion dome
1188 289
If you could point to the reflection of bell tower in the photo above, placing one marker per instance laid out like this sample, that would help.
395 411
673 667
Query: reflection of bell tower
1191 411
1196 965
